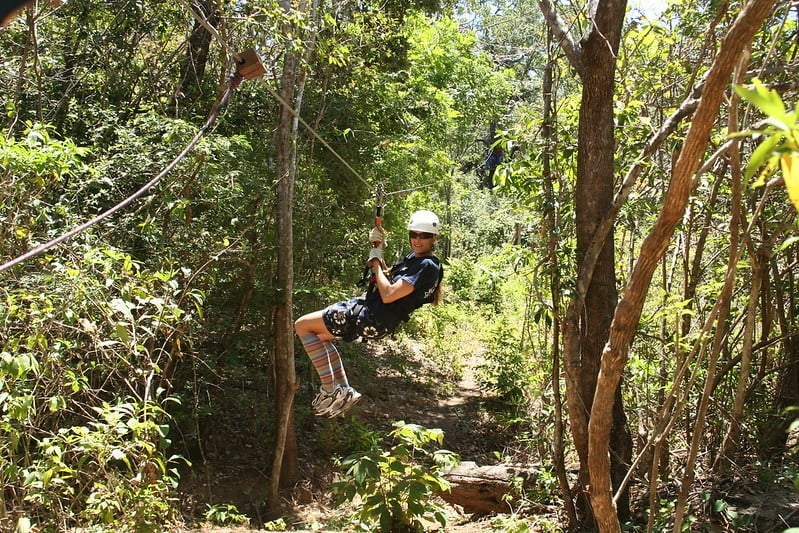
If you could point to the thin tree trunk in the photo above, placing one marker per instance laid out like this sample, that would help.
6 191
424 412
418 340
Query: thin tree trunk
729 444
772 434
628 312
193 65
248 279
725 299
551 223
285 460
30 48
290 467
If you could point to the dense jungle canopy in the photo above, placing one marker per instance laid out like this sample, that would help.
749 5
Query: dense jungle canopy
179 181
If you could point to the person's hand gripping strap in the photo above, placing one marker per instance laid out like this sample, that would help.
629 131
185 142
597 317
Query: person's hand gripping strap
378 237
375 253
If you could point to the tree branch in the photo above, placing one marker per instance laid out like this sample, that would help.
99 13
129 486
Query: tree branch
562 36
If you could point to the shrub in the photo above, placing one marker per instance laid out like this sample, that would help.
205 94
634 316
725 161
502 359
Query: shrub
394 488
82 347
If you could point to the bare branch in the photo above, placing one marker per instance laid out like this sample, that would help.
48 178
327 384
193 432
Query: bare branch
562 36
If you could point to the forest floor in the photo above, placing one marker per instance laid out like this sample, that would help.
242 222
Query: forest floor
398 385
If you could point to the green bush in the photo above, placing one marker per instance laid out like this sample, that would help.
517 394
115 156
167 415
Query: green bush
393 489
508 370
225 514
82 418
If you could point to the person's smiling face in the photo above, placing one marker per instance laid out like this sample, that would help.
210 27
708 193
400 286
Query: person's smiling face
421 242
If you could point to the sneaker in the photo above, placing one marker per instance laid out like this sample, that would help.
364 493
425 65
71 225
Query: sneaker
324 400
345 403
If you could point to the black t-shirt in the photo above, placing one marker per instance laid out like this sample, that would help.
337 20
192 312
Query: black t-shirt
424 273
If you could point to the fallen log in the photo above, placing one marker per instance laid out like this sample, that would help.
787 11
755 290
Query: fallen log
487 489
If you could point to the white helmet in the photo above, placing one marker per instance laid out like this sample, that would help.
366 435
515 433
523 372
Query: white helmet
425 221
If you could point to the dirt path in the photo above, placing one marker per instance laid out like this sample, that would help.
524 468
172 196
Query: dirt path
416 396
463 418
403 385
419 397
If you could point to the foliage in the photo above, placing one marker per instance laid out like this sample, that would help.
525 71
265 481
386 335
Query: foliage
82 412
225 514
523 524
395 487
348 436
449 331
508 371
35 172
781 143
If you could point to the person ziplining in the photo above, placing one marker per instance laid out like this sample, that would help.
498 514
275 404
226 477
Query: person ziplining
392 295
494 157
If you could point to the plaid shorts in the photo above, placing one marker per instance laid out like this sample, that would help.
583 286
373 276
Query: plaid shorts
352 319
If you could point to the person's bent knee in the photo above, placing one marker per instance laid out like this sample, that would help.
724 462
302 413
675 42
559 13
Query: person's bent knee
299 325
305 324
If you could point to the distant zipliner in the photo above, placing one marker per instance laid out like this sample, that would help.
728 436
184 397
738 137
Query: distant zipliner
494 157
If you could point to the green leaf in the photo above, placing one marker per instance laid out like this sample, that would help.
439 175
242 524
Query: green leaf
122 332
56 403
761 155
767 100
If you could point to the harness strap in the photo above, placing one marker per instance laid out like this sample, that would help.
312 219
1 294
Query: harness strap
367 279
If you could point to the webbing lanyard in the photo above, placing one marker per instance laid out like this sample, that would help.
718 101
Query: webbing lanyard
380 199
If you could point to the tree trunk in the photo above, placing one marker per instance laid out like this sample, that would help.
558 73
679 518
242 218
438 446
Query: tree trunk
725 301
729 444
192 67
628 312
27 50
587 322
285 467
550 225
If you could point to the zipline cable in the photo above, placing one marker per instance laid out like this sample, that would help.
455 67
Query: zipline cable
215 34
233 82
313 132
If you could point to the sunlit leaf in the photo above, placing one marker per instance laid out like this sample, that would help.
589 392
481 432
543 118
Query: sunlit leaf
123 307
122 332
761 155
790 172
767 100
